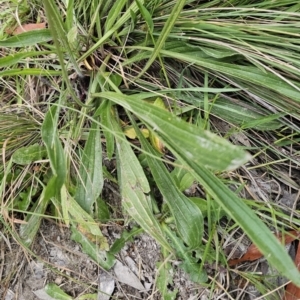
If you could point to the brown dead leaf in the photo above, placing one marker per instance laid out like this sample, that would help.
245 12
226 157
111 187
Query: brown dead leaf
26 28
253 253
292 292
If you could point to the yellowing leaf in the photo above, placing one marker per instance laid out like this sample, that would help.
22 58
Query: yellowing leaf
130 132
159 103
156 142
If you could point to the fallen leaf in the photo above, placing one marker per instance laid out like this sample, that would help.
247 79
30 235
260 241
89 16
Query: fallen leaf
292 292
26 27
253 252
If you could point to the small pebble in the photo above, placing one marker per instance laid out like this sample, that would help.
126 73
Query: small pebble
58 280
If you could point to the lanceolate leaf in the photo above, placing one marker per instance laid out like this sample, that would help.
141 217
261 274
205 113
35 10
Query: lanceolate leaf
90 181
146 15
31 71
114 14
134 188
134 199
29 38
101 257
29 230
54 148
244 116
189 262
105 112
201 146
188 217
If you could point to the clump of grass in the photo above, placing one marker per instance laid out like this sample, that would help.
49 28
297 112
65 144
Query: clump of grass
182 77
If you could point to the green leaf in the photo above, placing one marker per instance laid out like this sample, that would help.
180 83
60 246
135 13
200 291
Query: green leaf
146 15
189 262
85 220
29 38
56 292
182 177
256 230
201 146
218 53
164 34
135 188
28 231
245 116
164 279
29 154
23 201
103 213
54 148
267 123
106 115
70 15
114 14
9 60
187 216
104 259
90 172
30 71
125 237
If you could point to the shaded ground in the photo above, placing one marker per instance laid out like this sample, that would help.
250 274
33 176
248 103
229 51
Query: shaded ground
59 260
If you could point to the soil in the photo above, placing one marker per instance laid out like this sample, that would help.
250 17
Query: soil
57 259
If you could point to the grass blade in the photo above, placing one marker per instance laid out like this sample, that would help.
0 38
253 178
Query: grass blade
164 34
257 231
